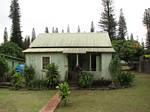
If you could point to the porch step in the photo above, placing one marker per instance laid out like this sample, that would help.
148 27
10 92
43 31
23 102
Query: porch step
5 84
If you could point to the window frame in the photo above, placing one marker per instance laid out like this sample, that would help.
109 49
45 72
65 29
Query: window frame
49 59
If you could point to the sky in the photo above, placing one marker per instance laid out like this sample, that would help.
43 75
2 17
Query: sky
59 13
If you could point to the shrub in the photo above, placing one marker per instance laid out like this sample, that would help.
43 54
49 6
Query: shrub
64 91
125 79
38 84
3 67
18 81
52 75
29 75
115 68
85 79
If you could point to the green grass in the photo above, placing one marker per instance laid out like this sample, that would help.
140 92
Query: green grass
133 99
23 101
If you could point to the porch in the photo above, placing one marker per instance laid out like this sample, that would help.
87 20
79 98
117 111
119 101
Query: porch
90 62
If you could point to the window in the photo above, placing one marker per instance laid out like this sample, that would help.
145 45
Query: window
45 62
84 61
93 62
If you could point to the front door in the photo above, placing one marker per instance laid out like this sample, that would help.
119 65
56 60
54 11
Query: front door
72 72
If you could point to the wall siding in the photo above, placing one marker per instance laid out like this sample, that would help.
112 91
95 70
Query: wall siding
36 61
106 59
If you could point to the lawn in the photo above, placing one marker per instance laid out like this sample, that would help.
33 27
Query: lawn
23 101
134 99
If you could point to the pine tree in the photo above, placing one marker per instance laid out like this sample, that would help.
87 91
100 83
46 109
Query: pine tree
122 30
5 35
33 35
15 16
26 42
78 29
131 37
142 43
107 21
92 27
56 30
146 22
53 30
46 30
62 31
68 29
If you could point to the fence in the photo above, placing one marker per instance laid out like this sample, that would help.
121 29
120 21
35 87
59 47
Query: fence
144 65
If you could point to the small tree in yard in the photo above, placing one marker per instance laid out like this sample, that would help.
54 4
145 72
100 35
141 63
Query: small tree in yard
3 67
18 81
52 75
119 78
115 68
29 75
64 91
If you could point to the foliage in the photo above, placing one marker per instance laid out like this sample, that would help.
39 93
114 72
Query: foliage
64 91
115 67
46 30
15 16
18 81
78 29
3 67
38 84
26 42
125 79
12 49
122 30
5 35
128 50
107 21
52 75
33 35
92 27
29 75
146 22
85 79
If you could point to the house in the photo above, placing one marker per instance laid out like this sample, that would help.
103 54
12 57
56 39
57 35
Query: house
92 52
12 61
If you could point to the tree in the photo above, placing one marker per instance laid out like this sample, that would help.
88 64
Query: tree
78 29
131 37
3 67
12 49
122 30
92 27
46 30
128 50
53 30
107 21
5 35
27 42
15 16
68 29
56 30
62 31
33 35
146 22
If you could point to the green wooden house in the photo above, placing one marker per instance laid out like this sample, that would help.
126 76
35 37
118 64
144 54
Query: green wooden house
12 61
91 51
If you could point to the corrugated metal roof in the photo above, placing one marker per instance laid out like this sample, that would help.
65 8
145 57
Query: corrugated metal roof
68 50
71 43
60 40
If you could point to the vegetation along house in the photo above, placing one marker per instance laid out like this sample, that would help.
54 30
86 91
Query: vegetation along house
12 61
88 51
